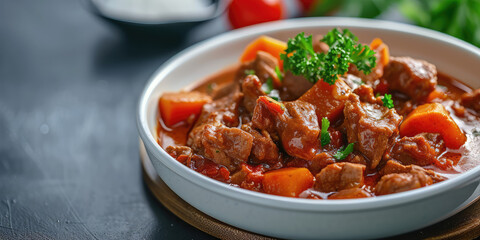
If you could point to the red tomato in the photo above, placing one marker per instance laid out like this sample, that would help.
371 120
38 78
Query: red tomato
307 5
242 13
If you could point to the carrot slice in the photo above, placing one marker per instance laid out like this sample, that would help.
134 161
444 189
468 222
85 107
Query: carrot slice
177 107
433 118
378 45
267 44
273 105
289 182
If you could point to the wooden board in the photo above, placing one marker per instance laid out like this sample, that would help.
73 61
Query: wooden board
464 225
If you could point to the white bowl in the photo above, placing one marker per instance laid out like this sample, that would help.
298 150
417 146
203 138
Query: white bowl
307 218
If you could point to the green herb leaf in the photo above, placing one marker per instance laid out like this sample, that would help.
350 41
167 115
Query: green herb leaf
267 87
324 135
279 73
344 152
301 59
387 101
249 72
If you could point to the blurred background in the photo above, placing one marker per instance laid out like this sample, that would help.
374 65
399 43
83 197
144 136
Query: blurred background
71 73
459 18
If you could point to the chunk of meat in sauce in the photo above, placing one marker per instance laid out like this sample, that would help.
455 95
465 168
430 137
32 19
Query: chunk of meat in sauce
365 93
415 78
264 150
471 100
297 127
215 136
339 176
178 151
372 127
393 166
263 65
421 149
294 86
223 145
224 111
252 89
401 182
350 193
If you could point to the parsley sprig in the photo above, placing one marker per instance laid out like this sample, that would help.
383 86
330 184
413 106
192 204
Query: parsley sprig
387 101
344 152
324 135
301 59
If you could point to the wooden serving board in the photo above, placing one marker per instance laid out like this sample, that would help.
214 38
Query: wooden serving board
463 225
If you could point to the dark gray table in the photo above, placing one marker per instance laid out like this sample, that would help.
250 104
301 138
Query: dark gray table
69 164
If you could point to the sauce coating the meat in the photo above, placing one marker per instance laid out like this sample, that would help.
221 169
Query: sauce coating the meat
276 147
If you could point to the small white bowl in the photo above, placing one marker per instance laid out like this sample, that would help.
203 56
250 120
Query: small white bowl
307 218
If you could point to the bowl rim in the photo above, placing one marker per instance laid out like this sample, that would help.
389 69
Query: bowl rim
298 204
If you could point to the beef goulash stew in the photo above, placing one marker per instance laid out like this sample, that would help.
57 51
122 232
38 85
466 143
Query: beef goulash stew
324 117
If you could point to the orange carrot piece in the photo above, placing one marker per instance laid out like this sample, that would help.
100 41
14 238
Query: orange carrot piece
267 44
273 105
378 45
433 118
329 100
289 182
177 107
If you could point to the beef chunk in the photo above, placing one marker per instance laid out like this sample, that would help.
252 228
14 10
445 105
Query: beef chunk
400 182
471 100
297 127
365 93
421 149
339 176
395 167
415 78
224 111
372 127
215 136
252 89
350 193
263 65
264 150
320 161
177 151
294 86
300 133
223 145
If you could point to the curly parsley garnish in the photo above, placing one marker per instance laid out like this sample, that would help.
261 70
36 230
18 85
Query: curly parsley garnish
344 152
301 59
324 135
387 101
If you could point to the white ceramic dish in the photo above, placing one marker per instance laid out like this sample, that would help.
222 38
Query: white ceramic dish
305 218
